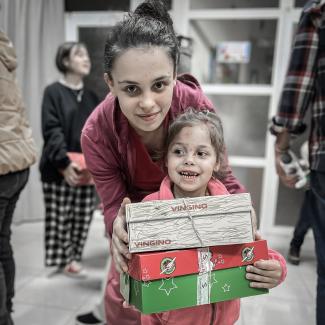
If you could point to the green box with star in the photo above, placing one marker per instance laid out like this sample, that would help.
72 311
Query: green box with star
188 290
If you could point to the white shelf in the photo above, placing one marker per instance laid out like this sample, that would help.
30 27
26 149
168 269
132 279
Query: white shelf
250 162
235 89
226 14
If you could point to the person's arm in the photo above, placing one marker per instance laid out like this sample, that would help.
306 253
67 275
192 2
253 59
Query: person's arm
105 169
110 184
298 91
55 148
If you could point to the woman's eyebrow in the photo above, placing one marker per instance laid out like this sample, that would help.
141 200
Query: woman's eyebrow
128 82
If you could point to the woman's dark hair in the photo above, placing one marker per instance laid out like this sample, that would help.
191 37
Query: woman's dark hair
63 53
192 117
149 25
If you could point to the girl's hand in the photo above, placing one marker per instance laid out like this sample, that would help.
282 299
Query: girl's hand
120 239
264 274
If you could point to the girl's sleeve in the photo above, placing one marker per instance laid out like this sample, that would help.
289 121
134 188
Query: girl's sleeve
110 184
274 255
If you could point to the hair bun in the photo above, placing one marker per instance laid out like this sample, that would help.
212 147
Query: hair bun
154 9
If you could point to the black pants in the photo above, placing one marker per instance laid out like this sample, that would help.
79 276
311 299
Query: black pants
302 225
11 186
316 209
68 213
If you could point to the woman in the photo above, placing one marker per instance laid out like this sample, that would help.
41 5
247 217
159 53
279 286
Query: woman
123 138
68 192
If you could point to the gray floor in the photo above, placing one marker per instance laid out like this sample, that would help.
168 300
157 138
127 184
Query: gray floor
43 297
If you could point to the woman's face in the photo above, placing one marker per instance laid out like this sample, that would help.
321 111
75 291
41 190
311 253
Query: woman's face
143 80
79 62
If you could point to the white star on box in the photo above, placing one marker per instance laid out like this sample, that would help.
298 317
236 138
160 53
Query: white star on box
226 287
167 285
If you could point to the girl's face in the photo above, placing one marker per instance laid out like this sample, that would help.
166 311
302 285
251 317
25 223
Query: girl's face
191 161
143 80
79 62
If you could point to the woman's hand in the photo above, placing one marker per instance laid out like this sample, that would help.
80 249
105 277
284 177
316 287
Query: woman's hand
264 274
120 239
72 174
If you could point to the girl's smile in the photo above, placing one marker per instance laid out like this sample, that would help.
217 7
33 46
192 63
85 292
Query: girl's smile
191 161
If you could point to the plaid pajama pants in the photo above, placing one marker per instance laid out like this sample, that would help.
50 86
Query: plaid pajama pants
68 212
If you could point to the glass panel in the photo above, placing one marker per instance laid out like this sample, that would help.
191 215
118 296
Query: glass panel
97 5
207 4
245 120
300 3
247 61
251 178
288 206
94 38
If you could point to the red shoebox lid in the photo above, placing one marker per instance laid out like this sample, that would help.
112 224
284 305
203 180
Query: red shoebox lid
165 264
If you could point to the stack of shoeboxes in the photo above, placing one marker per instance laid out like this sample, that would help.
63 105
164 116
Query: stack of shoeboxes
188 252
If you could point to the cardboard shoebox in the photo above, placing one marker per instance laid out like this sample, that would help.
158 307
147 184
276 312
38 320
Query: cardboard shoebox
165 264
161 281
187 290
189 222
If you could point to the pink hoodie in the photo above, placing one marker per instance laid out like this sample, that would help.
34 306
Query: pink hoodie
222 313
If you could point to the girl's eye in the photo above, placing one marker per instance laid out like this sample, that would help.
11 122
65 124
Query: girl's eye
178 152
202 154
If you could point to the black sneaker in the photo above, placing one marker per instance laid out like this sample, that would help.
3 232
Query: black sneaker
88 319
294 255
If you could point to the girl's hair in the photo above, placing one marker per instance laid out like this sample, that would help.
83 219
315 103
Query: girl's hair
63 52
192 117
149 25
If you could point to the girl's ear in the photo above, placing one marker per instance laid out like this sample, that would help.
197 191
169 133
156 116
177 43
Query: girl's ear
109 83
216 167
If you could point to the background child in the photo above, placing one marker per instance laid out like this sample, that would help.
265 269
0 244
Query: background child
194 160
69 203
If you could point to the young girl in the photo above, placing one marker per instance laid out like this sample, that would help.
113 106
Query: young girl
123 136
69 201
195 166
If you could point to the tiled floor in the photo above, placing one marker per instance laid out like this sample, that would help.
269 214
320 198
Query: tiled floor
45 298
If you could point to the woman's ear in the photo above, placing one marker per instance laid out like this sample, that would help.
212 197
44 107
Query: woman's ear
174 78
109 83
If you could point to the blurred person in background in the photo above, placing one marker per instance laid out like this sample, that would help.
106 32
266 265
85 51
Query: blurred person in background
17 154
69 193
304 90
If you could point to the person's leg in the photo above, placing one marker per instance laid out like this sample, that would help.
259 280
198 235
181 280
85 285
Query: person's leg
57 199
317 209
83 209
301 228
11 186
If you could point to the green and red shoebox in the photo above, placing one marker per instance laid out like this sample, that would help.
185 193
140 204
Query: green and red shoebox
170 280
